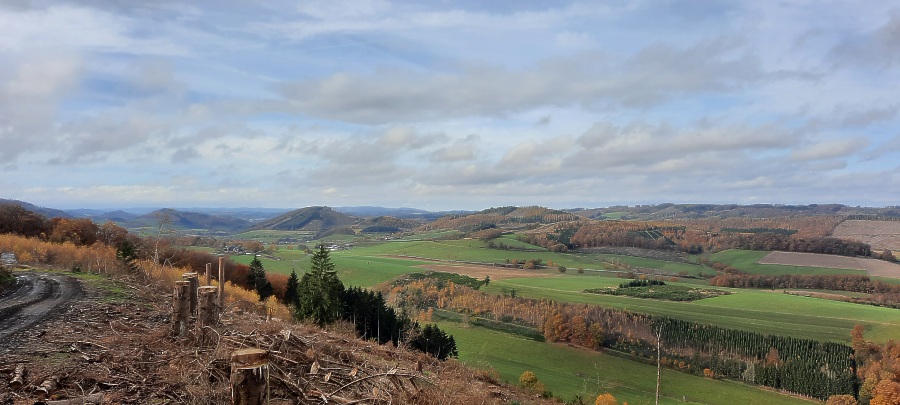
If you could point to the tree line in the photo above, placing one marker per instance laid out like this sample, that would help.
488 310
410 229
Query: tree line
810 235
807 367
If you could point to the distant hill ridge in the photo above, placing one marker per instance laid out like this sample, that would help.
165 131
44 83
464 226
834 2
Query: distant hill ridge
503 216
308 219
190 220
47 212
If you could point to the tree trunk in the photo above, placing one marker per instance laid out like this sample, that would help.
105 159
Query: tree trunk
195 283
18 379
181 307
47 386
207 314
249 377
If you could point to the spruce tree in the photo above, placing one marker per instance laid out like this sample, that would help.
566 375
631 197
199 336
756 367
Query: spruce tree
319 292
290 294
257 281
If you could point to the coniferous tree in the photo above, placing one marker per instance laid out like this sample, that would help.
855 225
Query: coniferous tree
290 293
434 341
257 281
319 292
256 274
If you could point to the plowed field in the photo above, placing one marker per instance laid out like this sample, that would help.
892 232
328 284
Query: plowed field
871 266
878 234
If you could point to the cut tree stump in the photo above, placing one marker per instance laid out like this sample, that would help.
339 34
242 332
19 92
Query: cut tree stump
250 377
194 279
18 379
181 307
47 386
207 314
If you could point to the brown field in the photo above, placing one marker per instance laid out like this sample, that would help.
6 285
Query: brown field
873 267
496 273
878 234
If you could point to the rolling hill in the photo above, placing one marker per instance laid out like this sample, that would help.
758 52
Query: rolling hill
47 212
189 220
316 219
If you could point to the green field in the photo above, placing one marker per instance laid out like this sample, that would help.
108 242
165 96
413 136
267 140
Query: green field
761 311
474 250
746 261
269 236
353 270
569 371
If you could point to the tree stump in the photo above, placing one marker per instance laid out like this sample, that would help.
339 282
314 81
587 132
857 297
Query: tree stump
181 307
195 283
249 377
18 379
207 314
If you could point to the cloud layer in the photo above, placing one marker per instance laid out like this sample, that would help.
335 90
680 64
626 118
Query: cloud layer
445 106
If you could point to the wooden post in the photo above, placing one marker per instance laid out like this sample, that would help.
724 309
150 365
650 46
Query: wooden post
221 282
249 377
194 281
181 307
208 273
658 364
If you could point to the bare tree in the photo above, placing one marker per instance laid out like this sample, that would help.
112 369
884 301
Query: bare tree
162 220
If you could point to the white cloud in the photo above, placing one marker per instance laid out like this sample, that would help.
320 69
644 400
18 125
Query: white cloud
840 148
448 105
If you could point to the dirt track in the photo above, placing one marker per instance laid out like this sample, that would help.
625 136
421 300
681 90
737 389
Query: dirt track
34 296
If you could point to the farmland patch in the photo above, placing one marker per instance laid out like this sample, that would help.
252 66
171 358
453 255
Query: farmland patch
479 272
872 267
878 234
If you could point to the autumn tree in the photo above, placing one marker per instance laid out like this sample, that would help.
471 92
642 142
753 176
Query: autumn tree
886 392
528 379
606 399
80 232
17 220
841 400
112 235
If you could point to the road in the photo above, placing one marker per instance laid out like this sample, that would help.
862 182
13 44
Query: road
34 296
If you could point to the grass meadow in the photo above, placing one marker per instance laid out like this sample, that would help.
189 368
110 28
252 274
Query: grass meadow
746 261
763 311
569 371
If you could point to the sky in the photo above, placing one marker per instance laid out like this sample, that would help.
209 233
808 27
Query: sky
445 105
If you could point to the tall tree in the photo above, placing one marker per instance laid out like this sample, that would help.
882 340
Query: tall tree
435 342
319 292
290 293
257 281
